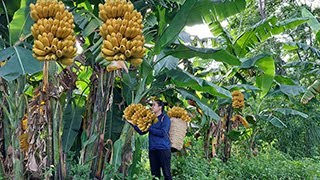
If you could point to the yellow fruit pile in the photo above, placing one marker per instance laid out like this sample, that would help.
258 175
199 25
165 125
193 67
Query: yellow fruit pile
53 32
140 116
23 138
122 33
237 100
240 119
179 112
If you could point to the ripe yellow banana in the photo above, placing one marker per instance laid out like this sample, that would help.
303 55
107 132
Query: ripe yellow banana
113 40
109 58
119 37
47 49
127 53
116 49
66 61
59 53
38 44
103 15
128 32
50 37
121 57
39 10
34 15
135 61
114 12
44 40
39 58
129 45
41 29
107 44
45 11
39 52
107 52
110 29
54 48
60 45
67 43
51 9
122 48
53 57
122 29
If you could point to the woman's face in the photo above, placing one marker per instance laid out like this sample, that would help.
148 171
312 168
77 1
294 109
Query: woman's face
156 108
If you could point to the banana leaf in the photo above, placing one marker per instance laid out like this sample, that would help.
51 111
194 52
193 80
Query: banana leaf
19 61
185 79
262 31
311 92
21 23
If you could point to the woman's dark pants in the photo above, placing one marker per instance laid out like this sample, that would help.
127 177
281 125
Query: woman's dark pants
160 159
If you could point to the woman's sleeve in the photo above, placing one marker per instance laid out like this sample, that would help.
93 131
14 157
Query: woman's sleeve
137 129
163 130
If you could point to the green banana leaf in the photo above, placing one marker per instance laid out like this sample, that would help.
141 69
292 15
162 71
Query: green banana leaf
289 111
191 12
266 63
291 90
207 110
273 120
220 9
175 26
184 51
21 22
302 46
218 31
311 92
312 22
165 62
262 31
72 118
87 21
243 86
184 79
133 170
115 122
19 61
279 79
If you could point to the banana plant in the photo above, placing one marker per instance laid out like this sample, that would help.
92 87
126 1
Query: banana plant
311 92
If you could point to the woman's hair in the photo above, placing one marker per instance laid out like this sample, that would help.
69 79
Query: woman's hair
161 103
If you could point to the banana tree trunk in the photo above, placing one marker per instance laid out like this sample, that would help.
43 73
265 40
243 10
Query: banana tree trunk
102 99
227 140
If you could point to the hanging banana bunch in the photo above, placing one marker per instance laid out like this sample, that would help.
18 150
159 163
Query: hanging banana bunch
311 92
237 99
23 138
53 32
139 115
179 112
122 34
239 118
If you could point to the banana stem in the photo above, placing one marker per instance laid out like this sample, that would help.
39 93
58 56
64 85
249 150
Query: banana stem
45 76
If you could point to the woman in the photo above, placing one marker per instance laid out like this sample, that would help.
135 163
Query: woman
159 142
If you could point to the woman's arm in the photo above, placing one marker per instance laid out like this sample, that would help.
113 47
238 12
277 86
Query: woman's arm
137 129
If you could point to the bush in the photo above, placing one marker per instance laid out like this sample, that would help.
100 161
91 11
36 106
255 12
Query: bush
268 164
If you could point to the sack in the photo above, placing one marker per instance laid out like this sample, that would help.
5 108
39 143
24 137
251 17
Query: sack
178 130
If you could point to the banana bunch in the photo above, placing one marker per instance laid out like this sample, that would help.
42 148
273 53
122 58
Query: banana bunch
237 99
140 116
23 138
239 118
122 32
53 32
180 113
